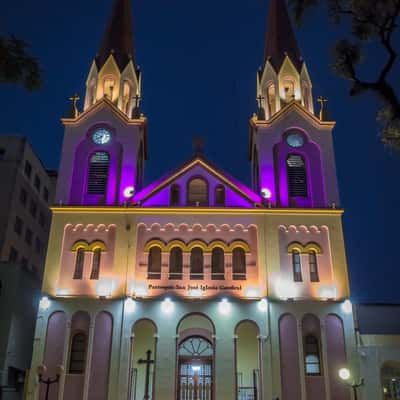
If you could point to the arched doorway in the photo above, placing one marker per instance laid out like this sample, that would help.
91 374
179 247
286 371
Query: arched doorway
195 369
390 378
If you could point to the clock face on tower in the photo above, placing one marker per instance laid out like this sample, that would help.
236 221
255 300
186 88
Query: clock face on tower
101 136
295 139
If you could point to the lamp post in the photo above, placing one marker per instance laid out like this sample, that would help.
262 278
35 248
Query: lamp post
345 375
41 370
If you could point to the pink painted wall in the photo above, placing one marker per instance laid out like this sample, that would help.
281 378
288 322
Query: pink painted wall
336 356
90 233
100 363
54 349
304 235
315 385
207 234
73 388
290 363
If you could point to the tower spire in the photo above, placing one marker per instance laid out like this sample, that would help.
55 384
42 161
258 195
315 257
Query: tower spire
280 38
118 37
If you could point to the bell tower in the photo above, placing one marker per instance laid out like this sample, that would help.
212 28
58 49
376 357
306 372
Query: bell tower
113 73
104 146
291 149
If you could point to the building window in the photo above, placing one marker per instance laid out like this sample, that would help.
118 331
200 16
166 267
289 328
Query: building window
196 263
217 264
239 264
271 98
313 263
37 183
28 169
28 236
312 356
2 153
175 263
220 195
79 262
297 176
18 224
109 86
154 263
288 88
296 260
175 195
33 208
23 196
96 264
77 356
38 246
46 194
197 192
13 256
99 164
42 220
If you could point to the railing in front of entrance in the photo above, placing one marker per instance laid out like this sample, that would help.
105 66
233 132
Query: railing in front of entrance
248 392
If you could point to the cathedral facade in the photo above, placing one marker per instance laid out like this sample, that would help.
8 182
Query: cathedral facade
195 287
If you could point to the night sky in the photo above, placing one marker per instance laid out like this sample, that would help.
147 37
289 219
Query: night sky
199 61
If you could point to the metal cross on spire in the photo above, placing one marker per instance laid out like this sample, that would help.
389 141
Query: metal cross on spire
74 109
323 112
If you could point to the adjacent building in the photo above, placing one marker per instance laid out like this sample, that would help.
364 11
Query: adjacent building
195 286
27 190
378 328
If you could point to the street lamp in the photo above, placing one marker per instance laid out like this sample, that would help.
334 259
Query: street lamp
41 370
345 376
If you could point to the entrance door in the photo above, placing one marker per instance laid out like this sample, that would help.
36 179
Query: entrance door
195 371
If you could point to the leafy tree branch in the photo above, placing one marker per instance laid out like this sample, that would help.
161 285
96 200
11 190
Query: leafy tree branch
368 20
17 65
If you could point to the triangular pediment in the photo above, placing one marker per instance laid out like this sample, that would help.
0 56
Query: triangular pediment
158 194
293 108
103 105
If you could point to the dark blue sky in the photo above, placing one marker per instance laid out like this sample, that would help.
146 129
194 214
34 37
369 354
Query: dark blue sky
199 60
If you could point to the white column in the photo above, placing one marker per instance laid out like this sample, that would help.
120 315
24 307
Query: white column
88 359
65 361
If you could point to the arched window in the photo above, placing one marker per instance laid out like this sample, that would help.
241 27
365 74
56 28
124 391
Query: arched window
175 263
271 97
109 87
217 264
239 264
77 357
197 192
196 263
306 95
175 195
154 263
96 264
313 264
79 262
126 96
220 195
297 176
99 164
312 355
296 260
288 88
